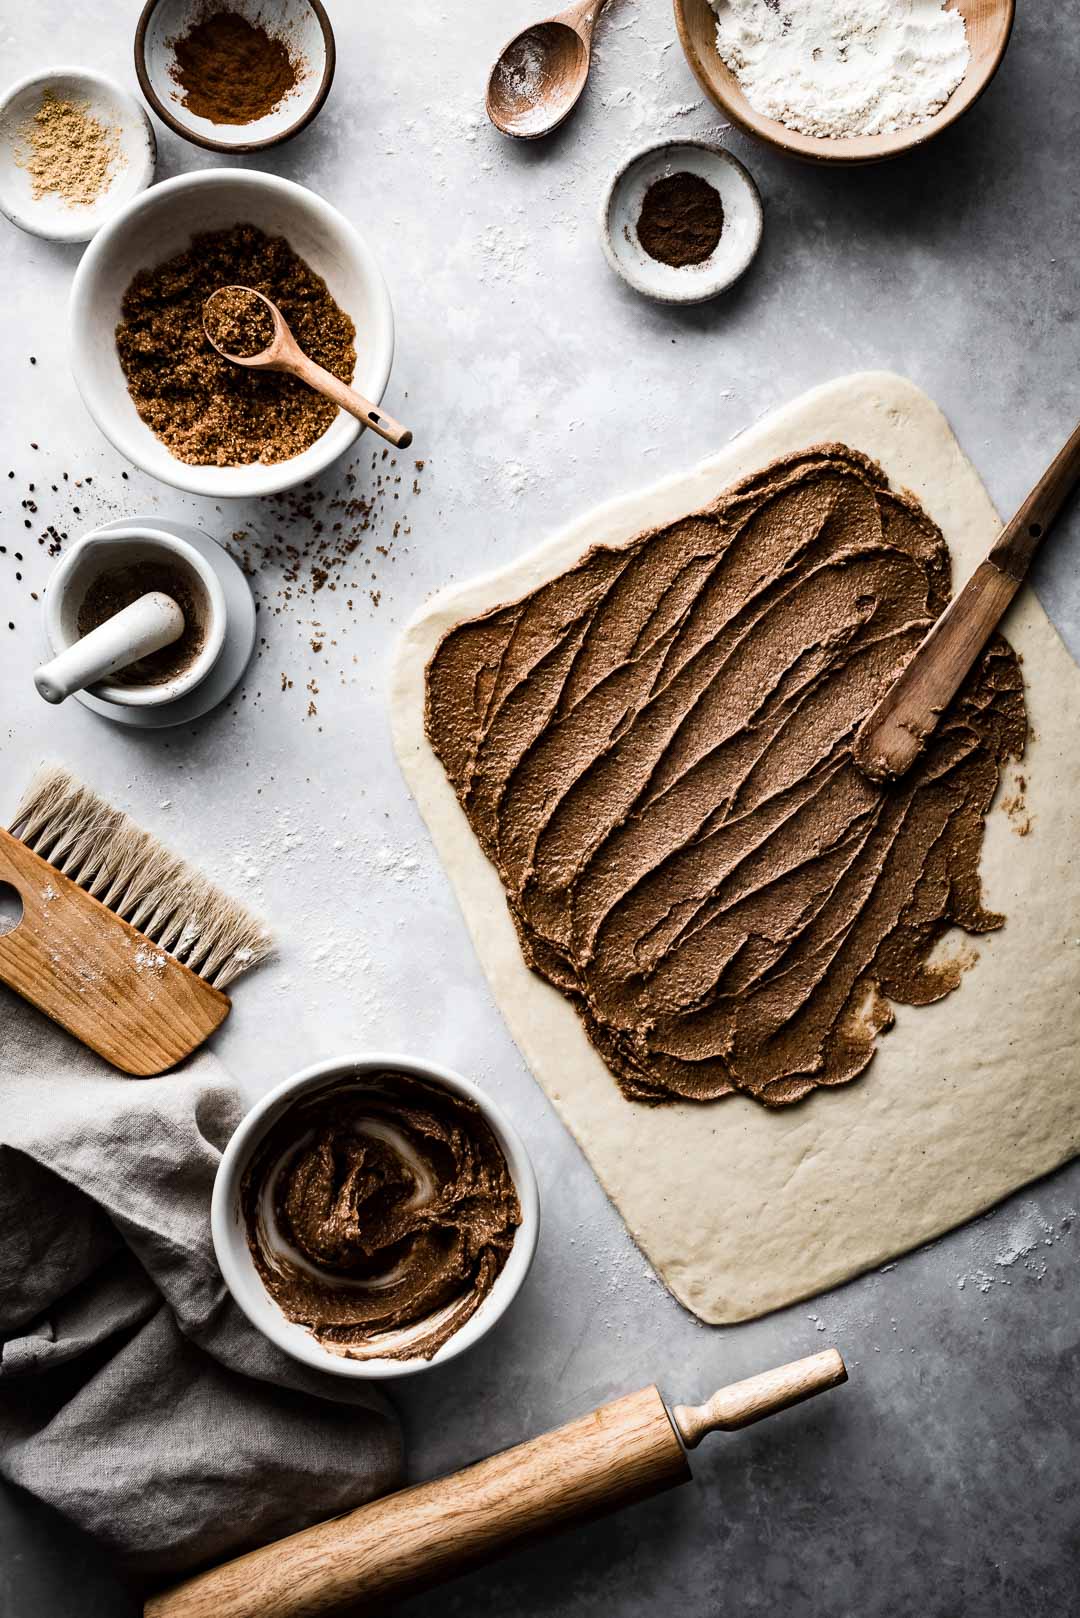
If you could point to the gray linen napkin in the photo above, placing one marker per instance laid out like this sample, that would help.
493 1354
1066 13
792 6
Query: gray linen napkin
134 1395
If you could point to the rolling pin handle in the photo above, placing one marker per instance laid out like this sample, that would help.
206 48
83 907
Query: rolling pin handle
745 1402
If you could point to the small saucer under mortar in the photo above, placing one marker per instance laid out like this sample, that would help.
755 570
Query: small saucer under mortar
235 653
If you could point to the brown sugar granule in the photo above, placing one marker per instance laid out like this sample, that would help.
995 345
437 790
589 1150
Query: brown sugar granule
231 70
681 220
238 321
208 411
117 588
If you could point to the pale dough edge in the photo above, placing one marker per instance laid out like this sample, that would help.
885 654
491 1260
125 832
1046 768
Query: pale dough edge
962 1104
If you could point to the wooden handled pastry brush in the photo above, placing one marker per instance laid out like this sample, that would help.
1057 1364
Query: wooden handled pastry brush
407 1542
123 944
895 732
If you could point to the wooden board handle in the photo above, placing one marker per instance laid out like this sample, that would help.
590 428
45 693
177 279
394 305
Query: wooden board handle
897 729
407 1542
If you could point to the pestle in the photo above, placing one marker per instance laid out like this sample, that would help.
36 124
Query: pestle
137 630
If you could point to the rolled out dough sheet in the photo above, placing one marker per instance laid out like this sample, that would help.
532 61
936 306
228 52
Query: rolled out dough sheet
741 1210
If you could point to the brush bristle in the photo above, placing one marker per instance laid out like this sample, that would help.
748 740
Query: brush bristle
168 901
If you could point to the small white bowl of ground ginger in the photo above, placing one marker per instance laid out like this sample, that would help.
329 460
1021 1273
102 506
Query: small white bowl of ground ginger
375 1215
74 149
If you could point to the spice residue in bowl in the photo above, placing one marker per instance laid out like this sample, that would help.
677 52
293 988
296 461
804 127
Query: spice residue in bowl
232 71
681 220
237 320
67 152
205 409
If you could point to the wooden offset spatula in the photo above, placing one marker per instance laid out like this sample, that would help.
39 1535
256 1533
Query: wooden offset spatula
407 1542
896 731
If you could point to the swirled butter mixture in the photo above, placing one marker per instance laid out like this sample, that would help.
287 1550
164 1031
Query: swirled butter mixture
379 1213
654 749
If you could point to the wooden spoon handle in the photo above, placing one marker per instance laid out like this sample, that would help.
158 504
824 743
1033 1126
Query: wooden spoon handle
374 416
582 18
896 731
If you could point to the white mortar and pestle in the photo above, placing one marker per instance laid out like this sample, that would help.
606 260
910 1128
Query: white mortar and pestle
147 625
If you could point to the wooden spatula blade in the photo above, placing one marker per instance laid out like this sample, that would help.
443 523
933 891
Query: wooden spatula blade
897 729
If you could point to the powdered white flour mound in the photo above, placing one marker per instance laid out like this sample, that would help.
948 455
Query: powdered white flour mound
843 67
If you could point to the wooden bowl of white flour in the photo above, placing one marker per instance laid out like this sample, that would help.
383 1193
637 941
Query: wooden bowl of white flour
832 82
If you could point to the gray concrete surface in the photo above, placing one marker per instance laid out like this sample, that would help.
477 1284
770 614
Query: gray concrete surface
942 1480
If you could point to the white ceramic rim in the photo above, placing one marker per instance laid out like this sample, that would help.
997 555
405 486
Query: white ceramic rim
194 479
174 115
699 289
150 696
82 228
234 1258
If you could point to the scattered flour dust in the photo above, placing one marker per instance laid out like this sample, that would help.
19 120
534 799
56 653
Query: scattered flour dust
522 82
843 67
1008 1246
1020 1239
327 948
149 959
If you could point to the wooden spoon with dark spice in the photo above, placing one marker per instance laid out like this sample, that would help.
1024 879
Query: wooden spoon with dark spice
249 329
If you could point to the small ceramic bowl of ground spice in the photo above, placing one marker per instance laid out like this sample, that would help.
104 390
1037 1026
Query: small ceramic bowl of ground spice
681 221
74 148
235 75
147 371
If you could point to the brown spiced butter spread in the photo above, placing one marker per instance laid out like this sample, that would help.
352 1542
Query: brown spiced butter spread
654 749
379 1213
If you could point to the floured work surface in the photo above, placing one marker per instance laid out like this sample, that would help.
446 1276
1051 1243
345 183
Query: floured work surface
739 1208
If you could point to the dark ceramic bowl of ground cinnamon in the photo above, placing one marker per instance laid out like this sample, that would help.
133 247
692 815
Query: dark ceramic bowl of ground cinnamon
235 75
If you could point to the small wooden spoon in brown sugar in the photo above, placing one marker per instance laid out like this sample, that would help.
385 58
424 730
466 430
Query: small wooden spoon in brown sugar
540 74
283 353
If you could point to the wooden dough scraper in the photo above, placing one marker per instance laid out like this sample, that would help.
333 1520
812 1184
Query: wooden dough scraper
359 1563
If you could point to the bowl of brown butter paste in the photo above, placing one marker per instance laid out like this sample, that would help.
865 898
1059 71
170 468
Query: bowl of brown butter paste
375 1215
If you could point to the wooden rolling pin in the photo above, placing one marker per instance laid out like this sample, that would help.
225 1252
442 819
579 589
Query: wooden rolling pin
407 1542
895 732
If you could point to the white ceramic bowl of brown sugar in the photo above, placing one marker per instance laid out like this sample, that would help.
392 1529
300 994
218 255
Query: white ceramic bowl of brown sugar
160 224
210 73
